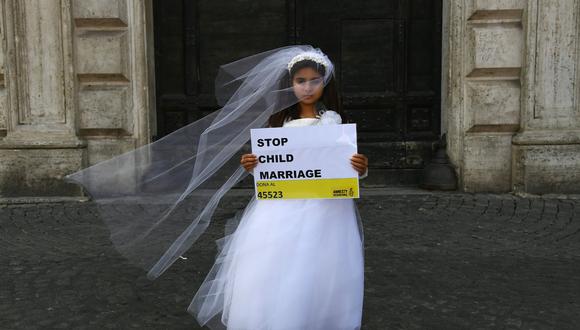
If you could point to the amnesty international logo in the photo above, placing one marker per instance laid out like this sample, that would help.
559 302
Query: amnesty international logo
343 192
340 193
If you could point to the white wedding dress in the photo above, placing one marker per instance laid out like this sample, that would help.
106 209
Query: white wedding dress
289 265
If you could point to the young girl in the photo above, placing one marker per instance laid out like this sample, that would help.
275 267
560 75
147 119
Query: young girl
291 264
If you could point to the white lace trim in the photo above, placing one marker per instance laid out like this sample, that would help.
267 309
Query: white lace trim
312 56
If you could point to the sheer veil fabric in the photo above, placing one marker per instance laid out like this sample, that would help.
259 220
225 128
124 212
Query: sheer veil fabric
158 199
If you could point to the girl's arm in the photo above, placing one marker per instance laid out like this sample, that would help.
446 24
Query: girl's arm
360 163
249 162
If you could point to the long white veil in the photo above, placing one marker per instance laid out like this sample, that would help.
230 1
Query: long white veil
158 199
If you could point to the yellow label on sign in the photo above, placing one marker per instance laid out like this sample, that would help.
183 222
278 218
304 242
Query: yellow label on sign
304 189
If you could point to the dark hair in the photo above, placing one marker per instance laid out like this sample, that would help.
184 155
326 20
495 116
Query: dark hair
329 96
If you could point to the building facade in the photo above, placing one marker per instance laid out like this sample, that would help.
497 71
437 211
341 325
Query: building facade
78 82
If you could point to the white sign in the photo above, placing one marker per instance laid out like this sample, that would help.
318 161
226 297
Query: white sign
305 162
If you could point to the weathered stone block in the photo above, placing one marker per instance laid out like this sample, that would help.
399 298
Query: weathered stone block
105 108
487 165
105 148
102 52
494 102
38 172
100 8
542 169
497 46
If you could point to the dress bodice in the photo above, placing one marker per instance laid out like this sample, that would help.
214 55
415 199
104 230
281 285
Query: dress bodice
328 117
302 122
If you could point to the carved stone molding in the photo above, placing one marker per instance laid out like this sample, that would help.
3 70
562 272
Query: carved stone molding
552 75
39 62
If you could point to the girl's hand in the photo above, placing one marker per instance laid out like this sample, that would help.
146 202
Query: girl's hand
360 163
249 161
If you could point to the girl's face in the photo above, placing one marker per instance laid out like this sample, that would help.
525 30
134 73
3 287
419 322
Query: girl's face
307 85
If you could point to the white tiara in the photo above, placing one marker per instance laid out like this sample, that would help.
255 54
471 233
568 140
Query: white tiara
312 56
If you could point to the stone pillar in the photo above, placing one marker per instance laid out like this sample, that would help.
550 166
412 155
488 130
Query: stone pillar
546 152
40 143
76 89
482 83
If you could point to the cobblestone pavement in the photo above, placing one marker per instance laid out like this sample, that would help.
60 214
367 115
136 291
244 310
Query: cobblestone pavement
433 261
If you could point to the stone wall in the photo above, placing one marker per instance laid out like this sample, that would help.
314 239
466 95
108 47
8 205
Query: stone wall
75 89
510 109
547 149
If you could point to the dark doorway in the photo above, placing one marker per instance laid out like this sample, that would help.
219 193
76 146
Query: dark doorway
387 55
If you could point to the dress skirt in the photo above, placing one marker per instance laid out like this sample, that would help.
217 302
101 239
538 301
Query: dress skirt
289 265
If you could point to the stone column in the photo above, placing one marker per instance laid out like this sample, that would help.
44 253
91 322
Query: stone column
40 143
546 157
78 89
482 107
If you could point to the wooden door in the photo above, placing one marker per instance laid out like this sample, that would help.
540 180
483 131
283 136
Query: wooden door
387 55
194 37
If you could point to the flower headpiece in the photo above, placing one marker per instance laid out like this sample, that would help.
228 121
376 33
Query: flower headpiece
312 56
